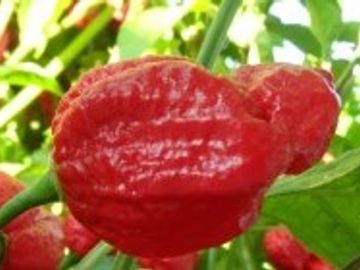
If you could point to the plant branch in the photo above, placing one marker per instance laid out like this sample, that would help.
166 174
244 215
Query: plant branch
345 75
216 35
93 257
122 262
68 261
44 191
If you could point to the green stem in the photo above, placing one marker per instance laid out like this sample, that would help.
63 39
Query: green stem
345 75
69 260
122 262
81 41
28 94
94 256
44 191
246 254
118 262
3 245
216 35
209 259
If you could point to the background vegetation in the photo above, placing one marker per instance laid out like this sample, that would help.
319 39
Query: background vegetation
46 45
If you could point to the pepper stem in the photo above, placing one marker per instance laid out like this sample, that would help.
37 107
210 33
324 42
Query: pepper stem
123 262
44 191
216 35
93 257
69 260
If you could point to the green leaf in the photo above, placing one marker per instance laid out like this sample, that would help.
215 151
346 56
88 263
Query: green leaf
349 32
266 41
18 75
325 22
264 5
318 176
338 66
326 219
298 34
35 165
339 145
354 133
139 34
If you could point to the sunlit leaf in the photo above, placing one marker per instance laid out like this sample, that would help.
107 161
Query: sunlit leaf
325 21
36 19
349 32
298 34
326 219
23 77
266 41
318 176
139 34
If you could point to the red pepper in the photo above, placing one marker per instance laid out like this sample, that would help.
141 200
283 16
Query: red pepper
183 262
302 101
35 238
161 158
288 253
97 74
77 238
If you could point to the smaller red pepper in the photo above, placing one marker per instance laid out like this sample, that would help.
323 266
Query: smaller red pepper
285 252
35 239
300 100
77 238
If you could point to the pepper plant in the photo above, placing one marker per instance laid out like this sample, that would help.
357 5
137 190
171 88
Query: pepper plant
261 131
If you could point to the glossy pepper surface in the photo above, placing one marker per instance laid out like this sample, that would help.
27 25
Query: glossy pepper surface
78 238
301 100
287 253
35 238
161 158
183 262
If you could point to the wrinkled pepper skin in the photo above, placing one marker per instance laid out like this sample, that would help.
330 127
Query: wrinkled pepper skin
77 238
301 100
161 158
100 73
285 252
183 262
35 238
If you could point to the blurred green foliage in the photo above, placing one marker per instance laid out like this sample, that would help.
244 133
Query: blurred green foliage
47 45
